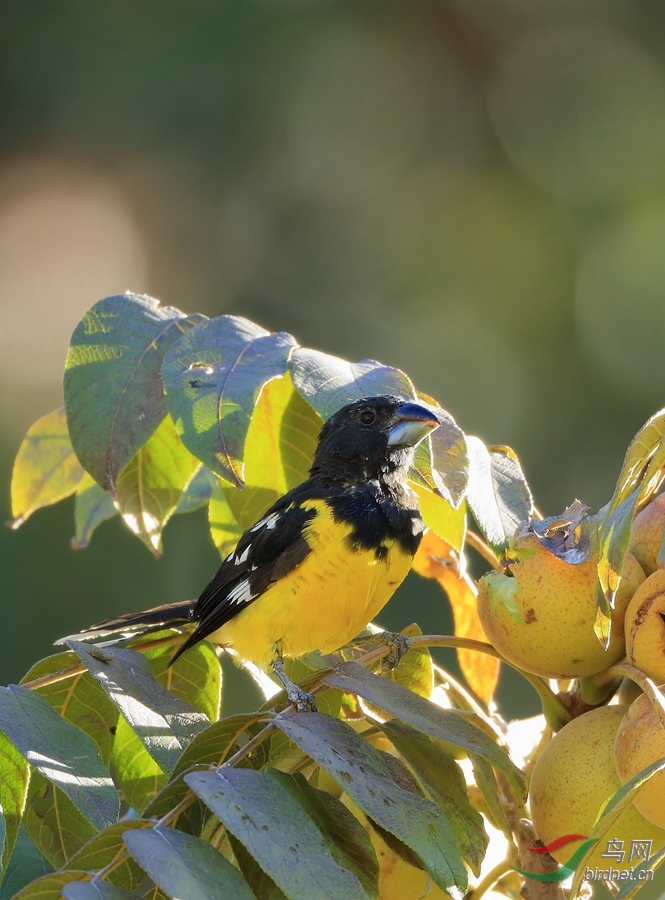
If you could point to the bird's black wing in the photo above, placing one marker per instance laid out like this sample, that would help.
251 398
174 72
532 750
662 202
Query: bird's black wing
265 553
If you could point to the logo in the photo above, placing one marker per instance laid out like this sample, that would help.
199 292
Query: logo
640 850
563 871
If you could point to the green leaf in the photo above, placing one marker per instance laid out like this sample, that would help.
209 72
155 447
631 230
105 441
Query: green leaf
262 885
113 391
415 671
444 724
198 492
45 469
49 887
498 494
61 752
614 542
361 771
104 847
98 890
265 817
26 865
53 822
225 530
213 377
79 699
164 723
346 839
94 505
450 458
195 677
440 517
149 488
442 779
218 742
487 785
14 778
328 382
140 777
185 866
630 888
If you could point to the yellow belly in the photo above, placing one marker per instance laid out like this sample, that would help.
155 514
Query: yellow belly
323 603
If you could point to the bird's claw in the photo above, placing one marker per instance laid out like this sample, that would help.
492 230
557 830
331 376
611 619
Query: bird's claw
302 701
399 645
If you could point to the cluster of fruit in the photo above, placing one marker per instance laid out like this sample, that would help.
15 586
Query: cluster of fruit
539 613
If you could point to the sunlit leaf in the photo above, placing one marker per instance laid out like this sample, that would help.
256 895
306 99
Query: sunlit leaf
328 382
487 784
55 825
139 776
498 494
415 671
225 529
450 458
362 772
439 516
439 723
46 468
62 753
149 488
278 832
93 506
104 847
214 745
185 866
198 492
79 699
443 780
113 391
195 677
435 560
163 723
14 778
213 377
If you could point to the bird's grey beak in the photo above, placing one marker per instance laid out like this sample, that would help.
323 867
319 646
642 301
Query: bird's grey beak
411 423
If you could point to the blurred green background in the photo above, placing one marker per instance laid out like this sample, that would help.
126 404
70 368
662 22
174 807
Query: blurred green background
473 191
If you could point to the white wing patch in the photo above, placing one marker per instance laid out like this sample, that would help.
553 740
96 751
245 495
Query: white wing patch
241 593
269 522
239 560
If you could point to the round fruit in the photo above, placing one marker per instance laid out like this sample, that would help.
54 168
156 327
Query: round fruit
640 741
571 782
647 534
645 627
542 618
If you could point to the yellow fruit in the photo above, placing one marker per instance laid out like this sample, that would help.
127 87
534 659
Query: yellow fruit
571 782
647 534
640 741
542 618
645 627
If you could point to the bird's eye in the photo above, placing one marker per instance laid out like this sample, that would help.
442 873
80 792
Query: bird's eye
368 417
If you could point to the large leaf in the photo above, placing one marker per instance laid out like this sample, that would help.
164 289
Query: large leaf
104 847
79 699
62 753
164 723
450 458
93 506
53 822
214 745
439 516
49 887
95 890
26 865
498 494
486 783
198 492
185 866
46 468
113 390
14 777
443 780
213 377
444 724
225 529
279 833
195 677
262 885
361 771
328 382
139 776
630 888
149 488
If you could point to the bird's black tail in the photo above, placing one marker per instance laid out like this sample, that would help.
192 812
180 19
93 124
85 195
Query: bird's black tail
169 615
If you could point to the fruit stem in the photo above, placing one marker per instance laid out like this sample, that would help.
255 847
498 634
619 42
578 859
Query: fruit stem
478 544
649 687
490 879
597 689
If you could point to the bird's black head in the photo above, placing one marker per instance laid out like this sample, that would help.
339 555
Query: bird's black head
371 437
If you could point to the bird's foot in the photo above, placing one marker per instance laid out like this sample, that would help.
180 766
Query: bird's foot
399 645
299 698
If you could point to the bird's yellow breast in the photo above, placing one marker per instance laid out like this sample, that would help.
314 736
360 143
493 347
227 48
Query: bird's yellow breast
324 602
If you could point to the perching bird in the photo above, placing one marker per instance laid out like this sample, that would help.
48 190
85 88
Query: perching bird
325 558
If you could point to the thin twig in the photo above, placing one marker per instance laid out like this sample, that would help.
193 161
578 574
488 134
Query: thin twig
478 544
490 879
